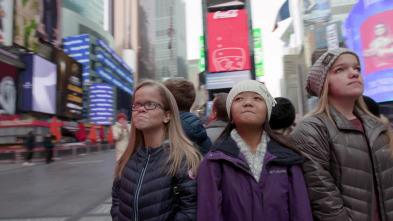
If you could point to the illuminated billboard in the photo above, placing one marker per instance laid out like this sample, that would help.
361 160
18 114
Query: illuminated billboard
26 23
77 47
8 86
69 86
101 104
39 82
228 43
6 22
369 32
49 29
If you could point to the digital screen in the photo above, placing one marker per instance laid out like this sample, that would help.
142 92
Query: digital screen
49 29
369 32
107 76
8 89
114 67
228 41
6 20
26 23
77 47
69 86
226 79
39 85
101 104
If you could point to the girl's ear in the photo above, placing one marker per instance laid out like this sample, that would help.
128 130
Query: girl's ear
167 117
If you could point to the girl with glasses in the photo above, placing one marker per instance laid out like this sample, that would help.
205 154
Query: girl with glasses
155 177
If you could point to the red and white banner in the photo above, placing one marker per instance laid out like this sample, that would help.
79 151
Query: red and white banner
228 41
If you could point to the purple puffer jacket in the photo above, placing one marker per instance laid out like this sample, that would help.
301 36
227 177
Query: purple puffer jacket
228 191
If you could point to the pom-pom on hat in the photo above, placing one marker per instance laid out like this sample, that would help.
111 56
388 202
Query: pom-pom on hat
251 86
121 115
317 76
283 114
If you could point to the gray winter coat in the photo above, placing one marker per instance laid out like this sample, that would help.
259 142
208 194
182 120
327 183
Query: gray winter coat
341 163
214 129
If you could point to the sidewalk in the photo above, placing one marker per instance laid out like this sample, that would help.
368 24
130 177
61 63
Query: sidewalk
12 155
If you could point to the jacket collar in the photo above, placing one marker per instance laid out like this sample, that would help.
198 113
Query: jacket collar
216 123
372 127
280 154
145 151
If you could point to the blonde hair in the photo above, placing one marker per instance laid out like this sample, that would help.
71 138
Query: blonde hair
323 108
179 146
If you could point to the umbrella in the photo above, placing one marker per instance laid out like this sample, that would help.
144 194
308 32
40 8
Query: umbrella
81 133
93 133
55 129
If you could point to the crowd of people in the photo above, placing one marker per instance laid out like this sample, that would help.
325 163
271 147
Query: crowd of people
251 161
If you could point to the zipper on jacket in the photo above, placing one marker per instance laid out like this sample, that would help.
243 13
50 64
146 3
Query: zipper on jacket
138 188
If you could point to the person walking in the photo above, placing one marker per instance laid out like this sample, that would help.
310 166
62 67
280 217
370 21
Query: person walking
49 143
251 173
348 164
121 133
218 117
29 143
155 177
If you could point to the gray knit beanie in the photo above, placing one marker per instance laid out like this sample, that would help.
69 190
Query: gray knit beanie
251 86
316 77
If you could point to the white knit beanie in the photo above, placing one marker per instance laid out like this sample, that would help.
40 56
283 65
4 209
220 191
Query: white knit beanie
251 86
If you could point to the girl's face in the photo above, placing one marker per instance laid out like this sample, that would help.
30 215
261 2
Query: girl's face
149 120
248 108
345 79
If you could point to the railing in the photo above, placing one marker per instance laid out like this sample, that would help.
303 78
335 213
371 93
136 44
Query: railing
18 155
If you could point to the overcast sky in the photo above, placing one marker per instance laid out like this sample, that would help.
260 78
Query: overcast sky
194 27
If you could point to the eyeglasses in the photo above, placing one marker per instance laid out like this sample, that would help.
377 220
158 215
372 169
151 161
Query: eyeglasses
148 106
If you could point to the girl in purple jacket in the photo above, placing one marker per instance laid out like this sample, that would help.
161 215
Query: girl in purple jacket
251 173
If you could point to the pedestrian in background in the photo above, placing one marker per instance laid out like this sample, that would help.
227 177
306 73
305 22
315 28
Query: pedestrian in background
29 143
184 93
348 164
49 143
121 133
218 117
283 116
251 173
155 177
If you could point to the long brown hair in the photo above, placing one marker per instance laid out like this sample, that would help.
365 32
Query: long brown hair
323 108
179 146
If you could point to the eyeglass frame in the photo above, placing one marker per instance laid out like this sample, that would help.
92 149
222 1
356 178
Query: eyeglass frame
149 102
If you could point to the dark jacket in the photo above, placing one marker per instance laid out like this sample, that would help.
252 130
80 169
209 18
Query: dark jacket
29 142
341 163
145 192
228 191
48 143
195 131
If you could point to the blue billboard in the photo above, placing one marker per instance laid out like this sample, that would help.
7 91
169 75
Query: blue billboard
369 32
107 76
77 47
101 104
102 57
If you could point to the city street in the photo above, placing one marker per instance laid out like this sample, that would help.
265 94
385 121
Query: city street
70 189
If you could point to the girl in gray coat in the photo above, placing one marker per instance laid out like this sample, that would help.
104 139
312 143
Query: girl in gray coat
348 164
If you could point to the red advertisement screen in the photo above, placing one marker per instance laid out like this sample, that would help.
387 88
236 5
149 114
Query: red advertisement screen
377 42
228 41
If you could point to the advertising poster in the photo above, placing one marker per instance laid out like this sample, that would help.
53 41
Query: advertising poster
228 41
8 89
26 23
78 48
258 52
50 21
101 104
202 53
6 21
39 85
377 42
69 86
369 32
